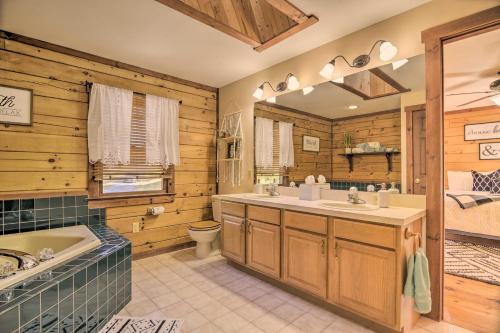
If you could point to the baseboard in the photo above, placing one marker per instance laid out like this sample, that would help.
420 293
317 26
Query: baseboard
168 249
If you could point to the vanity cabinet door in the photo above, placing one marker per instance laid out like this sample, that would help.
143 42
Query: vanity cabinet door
365 280
263 248
305 261
233 238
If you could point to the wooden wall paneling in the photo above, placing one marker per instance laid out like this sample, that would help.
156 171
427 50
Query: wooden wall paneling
50 157
433 39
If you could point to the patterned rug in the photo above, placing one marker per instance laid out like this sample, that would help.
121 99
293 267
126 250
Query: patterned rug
477 262
141 325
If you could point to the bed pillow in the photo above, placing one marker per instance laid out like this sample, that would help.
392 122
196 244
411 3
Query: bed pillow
495 185
460 180
482 182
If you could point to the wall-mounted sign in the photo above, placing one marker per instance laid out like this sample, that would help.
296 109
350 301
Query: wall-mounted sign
484 131
15 105
310 143
489 151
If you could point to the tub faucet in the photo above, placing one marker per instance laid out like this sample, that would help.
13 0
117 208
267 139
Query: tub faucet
24 260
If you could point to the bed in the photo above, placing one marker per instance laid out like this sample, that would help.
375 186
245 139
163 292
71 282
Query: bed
481 221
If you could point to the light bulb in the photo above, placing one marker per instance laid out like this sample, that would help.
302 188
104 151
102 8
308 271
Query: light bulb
327 71
399 64
495 99
271 99
307 90
387 51
293 83
339 80
259 92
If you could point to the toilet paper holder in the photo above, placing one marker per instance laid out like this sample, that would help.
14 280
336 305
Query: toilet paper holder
156 210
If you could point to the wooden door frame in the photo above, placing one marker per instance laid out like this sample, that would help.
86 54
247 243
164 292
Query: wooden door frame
434 39
409 144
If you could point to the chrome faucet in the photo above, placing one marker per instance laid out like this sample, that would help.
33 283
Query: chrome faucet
353 196
24 260
272 189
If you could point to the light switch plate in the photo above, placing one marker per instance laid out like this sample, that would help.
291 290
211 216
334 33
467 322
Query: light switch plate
136 227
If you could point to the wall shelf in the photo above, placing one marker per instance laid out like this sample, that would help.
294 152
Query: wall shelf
388 155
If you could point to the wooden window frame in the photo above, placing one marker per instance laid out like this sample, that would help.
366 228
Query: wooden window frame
99 199
434 39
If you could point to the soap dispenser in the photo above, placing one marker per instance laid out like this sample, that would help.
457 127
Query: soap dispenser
393 189
383 196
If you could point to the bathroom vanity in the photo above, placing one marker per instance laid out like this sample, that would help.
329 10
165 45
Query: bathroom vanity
350 258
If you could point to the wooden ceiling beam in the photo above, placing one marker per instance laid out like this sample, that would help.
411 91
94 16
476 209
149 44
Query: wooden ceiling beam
292 31
196 14
289 10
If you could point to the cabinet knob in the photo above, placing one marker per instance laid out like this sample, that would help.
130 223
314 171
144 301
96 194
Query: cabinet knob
242 227
249 228
323 246
417 180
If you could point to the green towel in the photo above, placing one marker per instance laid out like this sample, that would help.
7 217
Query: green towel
418 281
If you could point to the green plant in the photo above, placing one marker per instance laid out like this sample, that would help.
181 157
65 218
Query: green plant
347 140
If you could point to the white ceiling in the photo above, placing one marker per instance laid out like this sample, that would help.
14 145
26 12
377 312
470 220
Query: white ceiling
331 101
470 65
150 35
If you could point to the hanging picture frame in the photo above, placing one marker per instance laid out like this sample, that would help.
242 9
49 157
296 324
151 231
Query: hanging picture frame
310 143
16 105
482 131
489 151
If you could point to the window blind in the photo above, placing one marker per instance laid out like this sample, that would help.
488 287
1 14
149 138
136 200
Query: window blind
137 169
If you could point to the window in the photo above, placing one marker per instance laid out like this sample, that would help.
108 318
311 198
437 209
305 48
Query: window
136 178
275 173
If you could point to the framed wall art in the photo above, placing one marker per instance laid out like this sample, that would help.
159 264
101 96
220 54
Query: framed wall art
489 151
310 143
483 131
16 105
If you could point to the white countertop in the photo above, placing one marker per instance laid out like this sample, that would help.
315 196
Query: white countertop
398 216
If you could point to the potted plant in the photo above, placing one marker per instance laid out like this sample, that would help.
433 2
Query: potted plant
348 143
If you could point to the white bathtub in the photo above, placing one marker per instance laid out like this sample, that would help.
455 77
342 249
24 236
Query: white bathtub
66 242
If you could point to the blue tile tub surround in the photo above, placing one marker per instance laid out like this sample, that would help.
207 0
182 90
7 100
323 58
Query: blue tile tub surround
80 295
21 215
345 185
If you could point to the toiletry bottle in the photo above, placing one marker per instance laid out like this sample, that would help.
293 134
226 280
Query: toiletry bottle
383 196
393 189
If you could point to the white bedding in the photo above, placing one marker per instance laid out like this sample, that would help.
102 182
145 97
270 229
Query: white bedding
484 219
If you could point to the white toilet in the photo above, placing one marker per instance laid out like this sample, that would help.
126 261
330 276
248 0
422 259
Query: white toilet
205 234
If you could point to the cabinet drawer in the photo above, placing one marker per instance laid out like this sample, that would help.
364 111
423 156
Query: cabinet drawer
308 222
264 214
233 208
365 233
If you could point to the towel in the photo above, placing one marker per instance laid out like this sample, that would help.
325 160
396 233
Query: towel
263 142
418 281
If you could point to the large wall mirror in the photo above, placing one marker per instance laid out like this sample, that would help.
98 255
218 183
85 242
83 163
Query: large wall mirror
354 130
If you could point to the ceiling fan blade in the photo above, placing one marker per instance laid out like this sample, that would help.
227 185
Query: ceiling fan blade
470 93
477 100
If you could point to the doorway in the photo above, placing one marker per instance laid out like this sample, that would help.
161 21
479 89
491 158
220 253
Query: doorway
415 142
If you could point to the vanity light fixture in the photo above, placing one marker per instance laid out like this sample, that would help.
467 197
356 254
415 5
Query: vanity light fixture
291 82
387 51
352 107
307 90
399 64
271 99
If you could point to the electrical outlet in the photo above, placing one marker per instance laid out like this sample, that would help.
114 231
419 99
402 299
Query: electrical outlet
136 227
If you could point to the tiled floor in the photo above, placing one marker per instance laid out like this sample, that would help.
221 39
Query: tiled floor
212 296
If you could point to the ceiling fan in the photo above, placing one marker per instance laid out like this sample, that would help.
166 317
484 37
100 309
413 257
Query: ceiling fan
493 93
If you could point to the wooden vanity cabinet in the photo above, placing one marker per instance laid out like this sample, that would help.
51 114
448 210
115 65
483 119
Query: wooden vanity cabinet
305 253
263 247
233 231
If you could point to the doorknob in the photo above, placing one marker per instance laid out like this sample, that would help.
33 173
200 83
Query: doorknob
417 180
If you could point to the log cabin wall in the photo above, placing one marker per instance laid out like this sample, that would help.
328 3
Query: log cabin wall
384 127
50 157
461 155
306 163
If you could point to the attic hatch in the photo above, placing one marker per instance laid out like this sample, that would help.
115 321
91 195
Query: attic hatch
259 23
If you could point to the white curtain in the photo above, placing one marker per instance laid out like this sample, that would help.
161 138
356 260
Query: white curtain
286 144
109 121
263 142
162 131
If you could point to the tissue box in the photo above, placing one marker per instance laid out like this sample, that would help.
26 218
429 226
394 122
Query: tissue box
309 192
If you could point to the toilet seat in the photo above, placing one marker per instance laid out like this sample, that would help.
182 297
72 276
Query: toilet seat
204 226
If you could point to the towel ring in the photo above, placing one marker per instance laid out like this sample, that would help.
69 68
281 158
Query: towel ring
417 238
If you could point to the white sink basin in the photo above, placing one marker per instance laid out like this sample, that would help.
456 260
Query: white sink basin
260 196
348 205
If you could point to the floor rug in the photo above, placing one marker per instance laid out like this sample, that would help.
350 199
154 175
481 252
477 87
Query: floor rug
477 262
141 325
